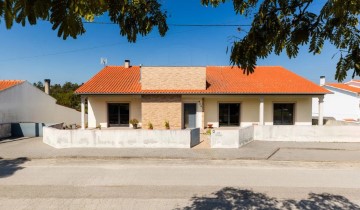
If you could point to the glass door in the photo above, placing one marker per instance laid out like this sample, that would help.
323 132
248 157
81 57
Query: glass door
118 115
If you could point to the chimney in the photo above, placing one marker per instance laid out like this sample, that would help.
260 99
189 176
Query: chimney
127 64
47 86
322 80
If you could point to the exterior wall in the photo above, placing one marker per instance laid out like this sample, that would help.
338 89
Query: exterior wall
5 130
340 105
173 78
158 108
303 108
131 138
249 109
307 133
26 103
231 138
97 108
250 106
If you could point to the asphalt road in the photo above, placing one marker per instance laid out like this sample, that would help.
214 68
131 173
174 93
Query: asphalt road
177 184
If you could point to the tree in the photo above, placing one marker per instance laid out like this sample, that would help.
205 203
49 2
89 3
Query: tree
134 17
277 25
280 25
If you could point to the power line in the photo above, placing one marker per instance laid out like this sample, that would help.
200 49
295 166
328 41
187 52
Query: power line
180 25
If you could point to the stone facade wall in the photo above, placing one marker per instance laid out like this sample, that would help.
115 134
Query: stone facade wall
173 78
158 108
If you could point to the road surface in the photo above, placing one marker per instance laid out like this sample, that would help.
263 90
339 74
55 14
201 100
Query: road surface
177 184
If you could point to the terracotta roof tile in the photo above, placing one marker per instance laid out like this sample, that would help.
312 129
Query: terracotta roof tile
5 84
220 80
344 87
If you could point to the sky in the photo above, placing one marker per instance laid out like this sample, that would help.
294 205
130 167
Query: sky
35 53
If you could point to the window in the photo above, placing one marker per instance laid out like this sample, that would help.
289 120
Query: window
229 114
284 114
118 114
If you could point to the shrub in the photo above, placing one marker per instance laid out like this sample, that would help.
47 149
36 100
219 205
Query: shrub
150 126
167 124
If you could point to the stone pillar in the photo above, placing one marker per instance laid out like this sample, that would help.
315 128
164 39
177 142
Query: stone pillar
261 111
321 110
82 112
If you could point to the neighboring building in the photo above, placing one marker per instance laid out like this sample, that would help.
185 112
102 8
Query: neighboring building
20 101
344 104
197 96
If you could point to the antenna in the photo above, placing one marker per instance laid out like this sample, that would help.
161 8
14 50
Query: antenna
103 61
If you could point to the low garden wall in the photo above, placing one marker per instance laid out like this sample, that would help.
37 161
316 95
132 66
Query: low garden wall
303 133
132 138
231 138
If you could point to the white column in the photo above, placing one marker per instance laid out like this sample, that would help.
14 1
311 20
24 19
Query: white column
82 112
321 110
261 111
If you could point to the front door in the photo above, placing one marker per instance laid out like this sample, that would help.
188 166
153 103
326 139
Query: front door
190 115
118 115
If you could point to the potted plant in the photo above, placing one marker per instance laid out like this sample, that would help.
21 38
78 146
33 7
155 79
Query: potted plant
150 126
134 122
167 124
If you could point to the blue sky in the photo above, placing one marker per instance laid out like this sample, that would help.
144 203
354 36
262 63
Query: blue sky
34 53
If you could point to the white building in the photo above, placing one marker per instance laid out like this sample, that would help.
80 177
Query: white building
344 103
20 101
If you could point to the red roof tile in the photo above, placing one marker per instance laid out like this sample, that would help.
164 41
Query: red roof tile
5 84
220 80
113 79
344 87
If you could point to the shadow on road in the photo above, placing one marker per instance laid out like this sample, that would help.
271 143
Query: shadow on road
9 166
235 198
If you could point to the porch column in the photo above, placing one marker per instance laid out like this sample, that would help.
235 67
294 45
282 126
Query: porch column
82 112
321 110
261 111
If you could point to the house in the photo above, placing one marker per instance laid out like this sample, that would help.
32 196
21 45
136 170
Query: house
188 97
344 104
20 101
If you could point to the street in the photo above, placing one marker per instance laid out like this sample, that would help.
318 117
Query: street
177 184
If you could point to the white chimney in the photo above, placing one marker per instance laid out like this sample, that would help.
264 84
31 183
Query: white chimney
47 86
127 64
322 80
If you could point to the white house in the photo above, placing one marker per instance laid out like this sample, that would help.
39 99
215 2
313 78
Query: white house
344 103
20 101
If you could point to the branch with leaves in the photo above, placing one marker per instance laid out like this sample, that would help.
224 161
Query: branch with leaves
282 25
134 17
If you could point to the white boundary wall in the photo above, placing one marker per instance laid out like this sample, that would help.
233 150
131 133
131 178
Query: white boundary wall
231 138
121 138
307 133
236 137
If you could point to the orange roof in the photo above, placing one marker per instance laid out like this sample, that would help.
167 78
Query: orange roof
5 84
344 87
220 80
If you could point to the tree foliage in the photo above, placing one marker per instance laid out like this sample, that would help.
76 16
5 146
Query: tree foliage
64 94
284 25
277 25
134 17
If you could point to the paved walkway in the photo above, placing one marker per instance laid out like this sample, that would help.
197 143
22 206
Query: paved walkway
34 148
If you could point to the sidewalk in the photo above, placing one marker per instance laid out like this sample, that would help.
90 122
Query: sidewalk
34 148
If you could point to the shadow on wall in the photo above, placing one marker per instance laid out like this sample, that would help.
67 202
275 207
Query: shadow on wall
27 129
9 166
235 198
